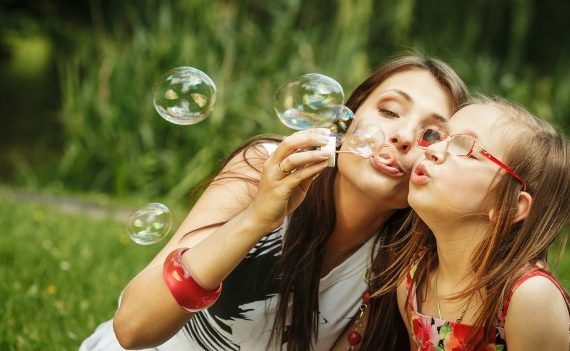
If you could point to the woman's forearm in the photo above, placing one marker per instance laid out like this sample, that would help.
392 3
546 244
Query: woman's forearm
149 315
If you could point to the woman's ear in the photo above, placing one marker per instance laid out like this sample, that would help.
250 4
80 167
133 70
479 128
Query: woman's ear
524 204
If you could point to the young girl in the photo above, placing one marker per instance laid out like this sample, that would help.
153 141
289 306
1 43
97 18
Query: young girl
493 194
291 248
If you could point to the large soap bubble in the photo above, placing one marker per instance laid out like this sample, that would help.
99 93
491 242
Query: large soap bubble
312 101
185 96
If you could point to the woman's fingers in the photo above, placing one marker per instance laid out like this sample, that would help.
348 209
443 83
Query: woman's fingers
307 173
299 160
304 139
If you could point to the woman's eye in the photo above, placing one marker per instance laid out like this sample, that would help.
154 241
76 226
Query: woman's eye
389 113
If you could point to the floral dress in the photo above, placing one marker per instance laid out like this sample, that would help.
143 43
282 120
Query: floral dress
434 334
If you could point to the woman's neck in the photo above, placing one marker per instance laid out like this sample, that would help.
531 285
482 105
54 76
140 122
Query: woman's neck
358 218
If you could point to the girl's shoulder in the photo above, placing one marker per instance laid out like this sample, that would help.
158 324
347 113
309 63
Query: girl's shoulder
536 285
537 306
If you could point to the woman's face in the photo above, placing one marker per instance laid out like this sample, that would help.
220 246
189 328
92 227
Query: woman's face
400 107
445 186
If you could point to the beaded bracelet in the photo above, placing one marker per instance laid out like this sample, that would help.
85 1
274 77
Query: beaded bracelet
183 287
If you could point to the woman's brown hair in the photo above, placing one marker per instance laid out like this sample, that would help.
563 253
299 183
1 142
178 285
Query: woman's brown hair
312 223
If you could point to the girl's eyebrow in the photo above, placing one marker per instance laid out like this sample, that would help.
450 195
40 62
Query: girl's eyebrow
408 98
468 132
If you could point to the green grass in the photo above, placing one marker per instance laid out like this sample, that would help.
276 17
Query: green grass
61 274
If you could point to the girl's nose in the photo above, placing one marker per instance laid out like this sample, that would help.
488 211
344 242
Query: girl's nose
435 152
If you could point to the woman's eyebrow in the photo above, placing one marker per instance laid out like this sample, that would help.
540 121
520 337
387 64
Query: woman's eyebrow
400 92
408 98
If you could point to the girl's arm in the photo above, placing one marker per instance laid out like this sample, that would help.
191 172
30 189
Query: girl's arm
537 317
402 295
148 314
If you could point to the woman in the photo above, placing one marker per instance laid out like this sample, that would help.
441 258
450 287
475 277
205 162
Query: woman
276 220
493 194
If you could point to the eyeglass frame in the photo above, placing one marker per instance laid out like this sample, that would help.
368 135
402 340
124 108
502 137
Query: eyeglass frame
475 143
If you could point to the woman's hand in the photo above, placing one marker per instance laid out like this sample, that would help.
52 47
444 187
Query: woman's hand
287 175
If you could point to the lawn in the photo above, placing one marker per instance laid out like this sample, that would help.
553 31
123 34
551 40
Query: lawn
61 273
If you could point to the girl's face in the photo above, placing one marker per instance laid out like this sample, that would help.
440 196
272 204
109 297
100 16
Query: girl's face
400 107
446 186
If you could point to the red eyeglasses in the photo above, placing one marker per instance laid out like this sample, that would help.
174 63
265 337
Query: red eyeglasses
462 145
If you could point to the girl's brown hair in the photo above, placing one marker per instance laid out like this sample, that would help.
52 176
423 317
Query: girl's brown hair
511 248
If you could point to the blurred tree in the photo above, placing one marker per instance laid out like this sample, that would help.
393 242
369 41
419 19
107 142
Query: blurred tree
84 118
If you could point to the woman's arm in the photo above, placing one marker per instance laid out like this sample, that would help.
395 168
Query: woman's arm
148 314
537 317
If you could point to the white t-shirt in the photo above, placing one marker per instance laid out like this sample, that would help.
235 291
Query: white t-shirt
243 316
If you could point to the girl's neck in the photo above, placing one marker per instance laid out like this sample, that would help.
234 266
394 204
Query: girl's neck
456 241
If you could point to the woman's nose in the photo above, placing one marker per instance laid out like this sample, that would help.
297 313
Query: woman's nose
402 140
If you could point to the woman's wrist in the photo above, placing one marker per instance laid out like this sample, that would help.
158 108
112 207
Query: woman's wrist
257 225
185 289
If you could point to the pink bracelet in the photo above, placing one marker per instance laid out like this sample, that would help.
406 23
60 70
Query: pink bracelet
185 290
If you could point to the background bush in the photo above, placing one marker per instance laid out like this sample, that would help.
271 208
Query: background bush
108 55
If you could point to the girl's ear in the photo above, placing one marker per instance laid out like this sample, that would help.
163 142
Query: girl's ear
523 207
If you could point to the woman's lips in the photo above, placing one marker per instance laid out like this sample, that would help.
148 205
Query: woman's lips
391 168
420 175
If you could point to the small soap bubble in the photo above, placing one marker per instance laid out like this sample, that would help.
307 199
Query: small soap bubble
368 140
364 140
150 224
312 101
185 96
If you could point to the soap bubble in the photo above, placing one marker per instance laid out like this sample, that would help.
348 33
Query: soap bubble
150 224
364 140
369 140
312 101
185 96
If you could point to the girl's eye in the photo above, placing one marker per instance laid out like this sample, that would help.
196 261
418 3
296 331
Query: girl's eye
388 113
474 155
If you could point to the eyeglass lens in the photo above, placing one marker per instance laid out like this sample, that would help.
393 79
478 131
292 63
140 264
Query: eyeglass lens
460 145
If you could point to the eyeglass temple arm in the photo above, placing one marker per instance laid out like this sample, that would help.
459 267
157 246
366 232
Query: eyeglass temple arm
505 167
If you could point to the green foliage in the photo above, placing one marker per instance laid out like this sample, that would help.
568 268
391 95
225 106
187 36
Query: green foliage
114 141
